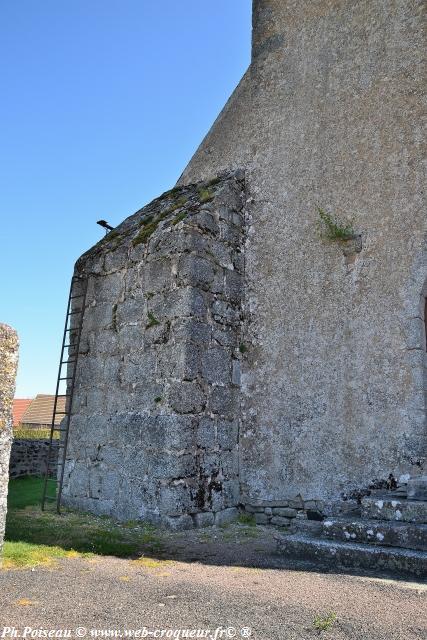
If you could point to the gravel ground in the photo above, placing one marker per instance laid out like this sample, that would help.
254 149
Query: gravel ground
208 580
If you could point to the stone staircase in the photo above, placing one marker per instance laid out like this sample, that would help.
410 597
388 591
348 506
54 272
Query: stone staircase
388 533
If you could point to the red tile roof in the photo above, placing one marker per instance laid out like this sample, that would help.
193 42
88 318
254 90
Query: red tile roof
20 405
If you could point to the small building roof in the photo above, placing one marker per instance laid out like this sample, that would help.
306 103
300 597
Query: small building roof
19 407
40 411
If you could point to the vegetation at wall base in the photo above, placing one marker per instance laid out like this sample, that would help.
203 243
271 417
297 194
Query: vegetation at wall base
34 537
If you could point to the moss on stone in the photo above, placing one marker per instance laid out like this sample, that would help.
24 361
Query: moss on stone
205 195
152 321
146 220
213 182
112 235
179 217
146 231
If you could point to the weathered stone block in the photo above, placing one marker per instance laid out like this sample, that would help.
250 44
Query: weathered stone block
226 516
205 221
186 397
280 522
227 433
253 509
187 330
261 518
206 433
172 465
385 508
179 523
417 488
179 303
236 373
205 519
223 401
216 363
157 275
286 512
195 271
175 499
233 286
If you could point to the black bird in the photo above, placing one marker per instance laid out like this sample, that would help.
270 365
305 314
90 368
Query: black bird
105 225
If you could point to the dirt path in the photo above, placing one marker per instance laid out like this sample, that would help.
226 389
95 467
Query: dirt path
209 580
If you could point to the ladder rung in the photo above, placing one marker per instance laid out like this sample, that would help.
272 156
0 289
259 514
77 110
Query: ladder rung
74 333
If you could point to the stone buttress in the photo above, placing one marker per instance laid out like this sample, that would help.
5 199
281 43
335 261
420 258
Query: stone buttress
154 429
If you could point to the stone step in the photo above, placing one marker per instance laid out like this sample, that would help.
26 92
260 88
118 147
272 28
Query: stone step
351 555
393 508
407 535
417 488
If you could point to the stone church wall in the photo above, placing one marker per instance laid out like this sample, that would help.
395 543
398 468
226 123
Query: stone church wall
330 113
154 429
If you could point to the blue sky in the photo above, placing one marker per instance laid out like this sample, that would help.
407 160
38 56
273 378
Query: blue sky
103 104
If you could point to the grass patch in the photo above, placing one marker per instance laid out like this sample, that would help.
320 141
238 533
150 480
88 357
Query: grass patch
36 537
332 228
34 434
152 563
25 492
17 555
324 623
247 518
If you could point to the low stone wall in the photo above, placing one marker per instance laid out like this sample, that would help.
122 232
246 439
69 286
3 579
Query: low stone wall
29 458
281 513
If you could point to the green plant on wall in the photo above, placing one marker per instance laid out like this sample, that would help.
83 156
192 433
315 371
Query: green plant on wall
332 228
152 321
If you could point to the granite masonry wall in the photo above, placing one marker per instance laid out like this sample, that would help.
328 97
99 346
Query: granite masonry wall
330 334
154 429
330 113
29 457
8 367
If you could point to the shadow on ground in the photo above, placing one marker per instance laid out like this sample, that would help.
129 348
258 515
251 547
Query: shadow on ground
34 537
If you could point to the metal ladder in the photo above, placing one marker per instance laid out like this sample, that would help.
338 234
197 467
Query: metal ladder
69 356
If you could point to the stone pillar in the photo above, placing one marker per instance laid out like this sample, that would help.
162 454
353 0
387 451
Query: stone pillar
8 366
